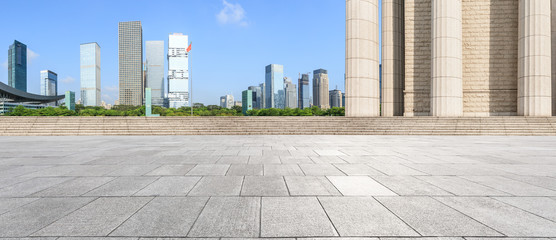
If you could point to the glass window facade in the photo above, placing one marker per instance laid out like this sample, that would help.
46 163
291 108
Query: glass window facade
304 92
90 74
154 67
274 84
17 66
130 52
49 83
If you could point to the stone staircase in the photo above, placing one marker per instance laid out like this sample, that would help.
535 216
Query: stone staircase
59 126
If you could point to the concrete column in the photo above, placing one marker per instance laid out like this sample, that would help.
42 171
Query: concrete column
534 59
362 58
447 84
392 58
553 57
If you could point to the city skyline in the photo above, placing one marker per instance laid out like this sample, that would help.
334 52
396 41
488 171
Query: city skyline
239 50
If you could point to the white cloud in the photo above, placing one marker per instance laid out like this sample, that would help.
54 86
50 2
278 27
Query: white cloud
232 14
68 79
31 56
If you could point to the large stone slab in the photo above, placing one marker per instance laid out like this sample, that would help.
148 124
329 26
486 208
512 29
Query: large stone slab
264 186
171 170
245 170
122 186
363 216
310 186
461 187
229 217
358 169
98 218
163 216
541 206
209 169
8 204
31 186
409 185
74 187
321 170
294 217
169 186
511 186
282 170
359 186
430 217
218 186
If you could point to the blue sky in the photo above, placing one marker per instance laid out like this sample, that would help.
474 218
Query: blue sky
233 40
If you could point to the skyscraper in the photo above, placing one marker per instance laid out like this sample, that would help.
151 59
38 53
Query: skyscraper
130 46
291 94
247 101
227 101
70 100
320 89
335 98
49 83
262 103
304 92
256 92
178 70
154 77
90 74
274 84
17 66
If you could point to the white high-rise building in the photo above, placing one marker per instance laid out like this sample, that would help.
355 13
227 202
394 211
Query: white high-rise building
90 74
154 76
178 71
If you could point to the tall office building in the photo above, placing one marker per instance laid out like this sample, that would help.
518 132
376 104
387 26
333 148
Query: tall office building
227 101
320 89
304 92
274 84
130 46
154 68
335 98
262 103
178 70
256 93
291 93
49 83
17 66
246 101
90 74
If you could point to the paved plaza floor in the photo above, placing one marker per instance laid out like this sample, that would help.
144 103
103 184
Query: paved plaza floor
277 187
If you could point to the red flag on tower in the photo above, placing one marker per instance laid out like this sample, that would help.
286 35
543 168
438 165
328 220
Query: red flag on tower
189 48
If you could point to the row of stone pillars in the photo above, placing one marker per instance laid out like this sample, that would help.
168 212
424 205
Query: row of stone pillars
362 58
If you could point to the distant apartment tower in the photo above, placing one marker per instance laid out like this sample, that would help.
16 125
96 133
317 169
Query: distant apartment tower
303 92
274 84
90 74
49 83
17 66
262 103
178 70
291 93
246 101
130 47
320 89
256 96
335 98
227 101
154 71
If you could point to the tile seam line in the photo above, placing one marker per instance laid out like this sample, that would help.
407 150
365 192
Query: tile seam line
86 204
130 216
495 199
328 216
197 218
407 224
155 180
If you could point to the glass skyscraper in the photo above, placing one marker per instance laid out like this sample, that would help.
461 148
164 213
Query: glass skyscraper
320 89
257 96
304 94
17 66
90 74
130 47
291 94
154 78
247 101
178 70
49 83
274 86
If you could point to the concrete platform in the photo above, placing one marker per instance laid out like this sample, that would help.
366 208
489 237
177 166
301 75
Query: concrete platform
157 187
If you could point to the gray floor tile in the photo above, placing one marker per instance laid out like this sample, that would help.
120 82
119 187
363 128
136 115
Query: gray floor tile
169 186
541 181
296 160
229 217
430 217
394 169
264 186
511 186
321 170
122 186
218 186
294 217
233 160
358 169
409 185
98 218
132 170
171 170
209 169
74 187
359 186
245 170
282 170
541 206
310 186
31 186
363 216
327 159
511 221
23 221
461 187
264 160
169 217
9 204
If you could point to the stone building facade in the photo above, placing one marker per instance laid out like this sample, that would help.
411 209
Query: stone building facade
451 58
